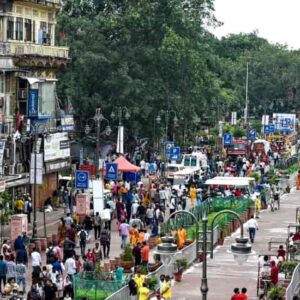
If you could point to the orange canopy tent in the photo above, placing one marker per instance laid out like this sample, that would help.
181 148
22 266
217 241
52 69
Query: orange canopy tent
125 166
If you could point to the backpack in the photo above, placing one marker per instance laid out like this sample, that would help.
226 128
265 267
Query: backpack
104 237
82 236
51 256
160 218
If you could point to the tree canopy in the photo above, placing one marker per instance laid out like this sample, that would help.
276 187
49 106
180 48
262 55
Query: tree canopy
157 55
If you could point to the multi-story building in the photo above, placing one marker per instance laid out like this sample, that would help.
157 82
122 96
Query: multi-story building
29 60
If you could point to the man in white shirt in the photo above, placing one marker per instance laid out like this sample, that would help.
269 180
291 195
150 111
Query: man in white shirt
134 208
252 227
70 266
36 262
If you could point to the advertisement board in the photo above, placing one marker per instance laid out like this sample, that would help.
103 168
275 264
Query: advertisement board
83 205
57 146
284 122
67 123
18 225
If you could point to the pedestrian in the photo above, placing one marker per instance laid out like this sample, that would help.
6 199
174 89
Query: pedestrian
21 255
28 207
97 252
88 265
136 251
3 271
70 266
20 275
50 254
50 290
166 288
257 206
274 273
252 227
124 231
97 225
144 292
298 180
60 287
58 266
11 269
132 288
62 231
68 220
243 294
68 287
83 235
145 251
88 225
193 195
36 262
236 293
105 241
181 237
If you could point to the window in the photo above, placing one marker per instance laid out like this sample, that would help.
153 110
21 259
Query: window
186 162
19 29
33 32
10 28
47 98
193 161
43 33
28 30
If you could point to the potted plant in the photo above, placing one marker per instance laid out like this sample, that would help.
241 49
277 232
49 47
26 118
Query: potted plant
127 261
152 283
180 265
275 293
289 266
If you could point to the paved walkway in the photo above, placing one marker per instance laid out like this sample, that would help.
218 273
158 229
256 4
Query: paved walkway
223 273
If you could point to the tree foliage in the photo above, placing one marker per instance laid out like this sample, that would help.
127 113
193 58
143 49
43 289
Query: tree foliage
153 55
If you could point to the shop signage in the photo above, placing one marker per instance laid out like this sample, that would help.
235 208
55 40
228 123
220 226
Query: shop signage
57 147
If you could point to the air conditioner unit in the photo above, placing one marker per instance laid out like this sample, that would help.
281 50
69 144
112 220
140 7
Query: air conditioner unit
19 168
11 170
6 152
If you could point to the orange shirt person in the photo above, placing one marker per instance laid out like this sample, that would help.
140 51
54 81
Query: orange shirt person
181 235
145 254
141 236
134 234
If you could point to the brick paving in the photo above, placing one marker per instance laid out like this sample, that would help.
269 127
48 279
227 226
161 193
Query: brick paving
223 273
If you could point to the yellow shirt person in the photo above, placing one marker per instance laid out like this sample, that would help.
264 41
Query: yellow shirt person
139 280
166 289
144 293
193 195
181 237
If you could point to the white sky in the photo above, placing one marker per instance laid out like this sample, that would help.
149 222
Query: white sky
276 20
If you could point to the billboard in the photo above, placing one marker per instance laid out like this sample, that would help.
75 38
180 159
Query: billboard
57 146
284 122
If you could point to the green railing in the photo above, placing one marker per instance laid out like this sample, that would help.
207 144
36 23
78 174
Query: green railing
97 286
211 207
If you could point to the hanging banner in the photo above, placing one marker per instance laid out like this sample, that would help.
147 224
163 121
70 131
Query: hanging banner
39 168
33 98
120 142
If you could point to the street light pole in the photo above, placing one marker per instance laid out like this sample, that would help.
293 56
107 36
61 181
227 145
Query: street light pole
204 286
34 228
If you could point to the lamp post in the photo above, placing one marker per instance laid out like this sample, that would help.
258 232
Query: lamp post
241 250
167 113
121 110
37 128
96 122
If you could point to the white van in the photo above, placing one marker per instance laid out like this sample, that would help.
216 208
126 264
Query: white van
195 160
171 169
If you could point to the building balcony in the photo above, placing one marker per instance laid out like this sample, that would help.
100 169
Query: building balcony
52 3
17 48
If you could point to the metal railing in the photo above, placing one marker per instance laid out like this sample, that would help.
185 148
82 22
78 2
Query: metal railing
23 48
189 252
294 287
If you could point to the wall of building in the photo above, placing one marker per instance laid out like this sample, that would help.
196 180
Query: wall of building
47 188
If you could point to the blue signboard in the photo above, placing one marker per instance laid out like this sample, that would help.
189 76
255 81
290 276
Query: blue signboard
111 171
252 134
33 101
167 147
67 123
227 139
272 128
81 179
268 129
174 153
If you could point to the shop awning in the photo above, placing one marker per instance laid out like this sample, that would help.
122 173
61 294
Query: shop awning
125 166
17 182
32 80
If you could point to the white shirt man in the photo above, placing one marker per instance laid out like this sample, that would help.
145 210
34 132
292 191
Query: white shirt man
134 208
70 266
252 227
36 259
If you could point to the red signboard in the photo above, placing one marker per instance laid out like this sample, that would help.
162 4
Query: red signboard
90 168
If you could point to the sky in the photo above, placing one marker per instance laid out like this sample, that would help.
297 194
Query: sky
276 20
